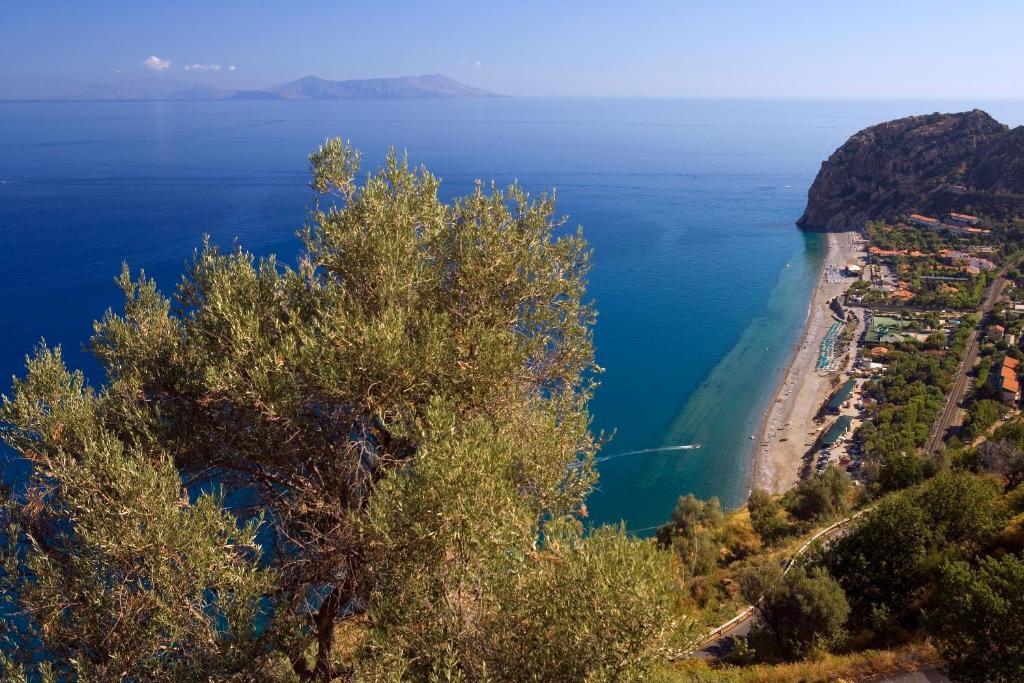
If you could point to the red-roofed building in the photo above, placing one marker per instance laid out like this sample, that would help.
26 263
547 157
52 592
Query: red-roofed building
902 295
1008 382
924 221
875 251
963 219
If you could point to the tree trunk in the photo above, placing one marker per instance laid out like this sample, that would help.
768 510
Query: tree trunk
325 619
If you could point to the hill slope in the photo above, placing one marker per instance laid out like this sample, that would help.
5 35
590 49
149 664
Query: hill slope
929 164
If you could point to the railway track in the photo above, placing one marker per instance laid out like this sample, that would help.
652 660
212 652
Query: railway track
961 380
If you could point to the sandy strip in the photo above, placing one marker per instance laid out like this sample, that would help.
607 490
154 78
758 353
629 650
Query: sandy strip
788 426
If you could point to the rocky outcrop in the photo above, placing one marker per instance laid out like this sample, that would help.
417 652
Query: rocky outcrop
931 164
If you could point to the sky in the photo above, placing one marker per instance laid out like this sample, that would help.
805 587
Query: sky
680 48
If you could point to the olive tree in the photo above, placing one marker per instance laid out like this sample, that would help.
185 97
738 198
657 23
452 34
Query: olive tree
799 609
111 571
399 419
980 626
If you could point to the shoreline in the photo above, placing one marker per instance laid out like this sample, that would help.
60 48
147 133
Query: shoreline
787 426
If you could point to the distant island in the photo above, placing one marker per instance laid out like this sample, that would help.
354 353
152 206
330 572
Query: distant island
931 164
307 88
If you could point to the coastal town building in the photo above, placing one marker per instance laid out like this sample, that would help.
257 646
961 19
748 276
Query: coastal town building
962 219
956 223
842 395
837 431
876 251
967 260
886 331
1008 382
924 221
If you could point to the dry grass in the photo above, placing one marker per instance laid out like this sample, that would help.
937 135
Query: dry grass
715 598
869 665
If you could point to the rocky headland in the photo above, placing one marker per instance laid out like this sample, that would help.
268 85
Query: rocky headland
931 164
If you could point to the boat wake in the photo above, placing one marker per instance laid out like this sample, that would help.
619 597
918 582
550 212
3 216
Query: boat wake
684 447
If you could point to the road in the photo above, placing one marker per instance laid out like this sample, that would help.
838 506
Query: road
718 642
926 676
961 379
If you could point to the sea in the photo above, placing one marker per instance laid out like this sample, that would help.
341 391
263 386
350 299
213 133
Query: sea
700 277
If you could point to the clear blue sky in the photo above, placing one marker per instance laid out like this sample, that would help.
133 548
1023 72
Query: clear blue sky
779 48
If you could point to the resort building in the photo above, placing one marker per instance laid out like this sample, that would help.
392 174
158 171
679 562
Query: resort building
924 221
967 260
902 294
876 251
842 395
962 219
879 352
1008 382
886 331
837 431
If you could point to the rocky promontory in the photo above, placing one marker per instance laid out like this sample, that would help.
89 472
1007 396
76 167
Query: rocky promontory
931 164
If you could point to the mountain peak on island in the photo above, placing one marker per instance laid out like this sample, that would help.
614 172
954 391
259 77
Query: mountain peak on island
403 87
930 164
305 88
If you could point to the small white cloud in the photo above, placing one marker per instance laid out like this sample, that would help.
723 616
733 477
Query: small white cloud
156 64
117 71
478 64
202 67
232 68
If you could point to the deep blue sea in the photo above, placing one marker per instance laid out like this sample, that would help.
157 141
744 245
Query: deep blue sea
689 206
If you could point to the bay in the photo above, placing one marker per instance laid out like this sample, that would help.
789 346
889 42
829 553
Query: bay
700 277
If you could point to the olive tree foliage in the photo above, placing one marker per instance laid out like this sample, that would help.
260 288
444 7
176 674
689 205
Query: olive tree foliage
1004 458
767 516
110 570
819 496
887 564
979 627
695 533
500 602
800 609
404 413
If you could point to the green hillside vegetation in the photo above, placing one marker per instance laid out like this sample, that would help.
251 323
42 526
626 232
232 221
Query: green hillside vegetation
933 569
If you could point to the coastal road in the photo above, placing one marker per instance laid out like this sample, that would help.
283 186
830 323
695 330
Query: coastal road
718 642
961 379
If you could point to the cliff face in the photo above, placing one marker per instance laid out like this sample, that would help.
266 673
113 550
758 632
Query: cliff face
930 164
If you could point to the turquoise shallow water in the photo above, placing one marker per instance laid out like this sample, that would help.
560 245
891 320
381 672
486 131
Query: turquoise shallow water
726 408
688 204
